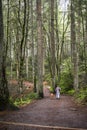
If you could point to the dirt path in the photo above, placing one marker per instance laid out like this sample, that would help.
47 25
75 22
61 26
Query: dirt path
48 112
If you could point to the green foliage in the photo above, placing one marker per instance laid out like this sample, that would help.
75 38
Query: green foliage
66 81
47 77
33 95
71 92
81 96
26 99
51 90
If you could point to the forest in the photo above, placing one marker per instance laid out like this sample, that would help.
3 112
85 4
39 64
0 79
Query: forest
43 41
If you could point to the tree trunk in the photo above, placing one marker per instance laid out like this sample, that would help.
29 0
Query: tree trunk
4 93
26 39
33 56
57 45
39 50
22 51
74 47
85 45
52 44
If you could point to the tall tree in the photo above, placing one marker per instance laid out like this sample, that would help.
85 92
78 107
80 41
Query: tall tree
4 93
85 42
57 42
39 50
52 44
22 50
74 46
33 53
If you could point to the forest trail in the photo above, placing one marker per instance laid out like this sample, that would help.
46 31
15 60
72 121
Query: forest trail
46 114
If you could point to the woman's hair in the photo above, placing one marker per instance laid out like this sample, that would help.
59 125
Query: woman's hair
55 85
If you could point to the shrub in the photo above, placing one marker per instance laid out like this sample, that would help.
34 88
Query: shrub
71 92
52 90
33 95
81 96
66 82
26 99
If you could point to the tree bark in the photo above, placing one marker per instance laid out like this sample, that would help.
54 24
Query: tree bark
74 51
39 50
22 51
33 55
4 92
52 44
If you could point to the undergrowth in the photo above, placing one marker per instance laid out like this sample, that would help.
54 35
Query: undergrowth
26 99
81 96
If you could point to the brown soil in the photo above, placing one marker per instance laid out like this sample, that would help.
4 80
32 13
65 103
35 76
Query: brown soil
46 112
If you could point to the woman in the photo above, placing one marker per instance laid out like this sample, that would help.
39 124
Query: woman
57 89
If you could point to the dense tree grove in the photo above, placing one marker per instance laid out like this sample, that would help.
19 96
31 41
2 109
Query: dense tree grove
43 40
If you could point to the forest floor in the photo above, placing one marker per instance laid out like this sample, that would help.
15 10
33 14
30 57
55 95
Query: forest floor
46 114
